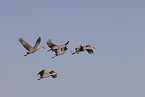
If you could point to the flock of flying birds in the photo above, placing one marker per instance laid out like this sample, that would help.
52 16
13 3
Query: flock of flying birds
58 49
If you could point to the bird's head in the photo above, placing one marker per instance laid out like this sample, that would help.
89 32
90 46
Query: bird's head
43 47
55 73
94 48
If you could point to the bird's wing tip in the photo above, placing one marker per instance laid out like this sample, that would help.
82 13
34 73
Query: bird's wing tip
20 39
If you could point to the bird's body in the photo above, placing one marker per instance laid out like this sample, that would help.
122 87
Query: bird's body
61 51
29 47
81 48
43 74
54 47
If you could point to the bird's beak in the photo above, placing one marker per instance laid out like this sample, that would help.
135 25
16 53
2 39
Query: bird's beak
94 47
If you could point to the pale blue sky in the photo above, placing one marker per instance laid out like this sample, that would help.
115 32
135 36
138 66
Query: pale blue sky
115 27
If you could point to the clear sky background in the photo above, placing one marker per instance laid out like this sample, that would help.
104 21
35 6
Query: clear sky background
115 27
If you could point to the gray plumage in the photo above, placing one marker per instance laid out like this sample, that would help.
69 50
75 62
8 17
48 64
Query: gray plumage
54 47
29 47
43 74
81 48
61 51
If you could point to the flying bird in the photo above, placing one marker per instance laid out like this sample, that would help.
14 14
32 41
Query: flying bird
29 47
81 48
43 74
55 47
61 51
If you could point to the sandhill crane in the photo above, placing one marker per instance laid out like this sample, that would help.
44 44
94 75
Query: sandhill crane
29 47
53 46
81 48
43 74
61 51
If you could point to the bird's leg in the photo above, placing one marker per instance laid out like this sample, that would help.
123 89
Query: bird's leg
39 78
27 54
54 56
73 53
49 50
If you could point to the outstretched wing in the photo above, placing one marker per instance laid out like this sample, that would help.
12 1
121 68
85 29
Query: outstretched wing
88 46
50 44
41 73
25 44
37 42
65 48
67 43
51 72
90 51
53 76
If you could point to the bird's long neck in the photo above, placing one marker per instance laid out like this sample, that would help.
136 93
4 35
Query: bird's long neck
52 74
40 48
88 48
68 52
58 46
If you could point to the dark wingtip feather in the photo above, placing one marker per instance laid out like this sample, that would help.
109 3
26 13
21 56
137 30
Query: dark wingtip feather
51 72
87 46
48 41
20 39
54 76
65 48
41 73
39 39
90 51
67 43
